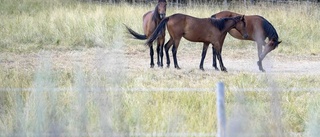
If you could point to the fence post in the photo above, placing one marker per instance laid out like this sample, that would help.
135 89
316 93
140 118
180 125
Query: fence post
221 126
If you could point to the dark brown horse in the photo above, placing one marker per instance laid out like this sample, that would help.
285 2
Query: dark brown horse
150 21
258 29
206 30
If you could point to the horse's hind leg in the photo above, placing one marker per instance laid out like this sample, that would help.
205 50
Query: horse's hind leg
174 53
167 47
160 43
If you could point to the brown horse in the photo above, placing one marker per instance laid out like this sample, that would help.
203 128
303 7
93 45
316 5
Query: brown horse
206 30
258 29
150 21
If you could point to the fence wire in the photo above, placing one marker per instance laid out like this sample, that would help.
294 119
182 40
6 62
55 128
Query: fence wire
141 134
141 89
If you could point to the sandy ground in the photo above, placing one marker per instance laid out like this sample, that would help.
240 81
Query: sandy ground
133 59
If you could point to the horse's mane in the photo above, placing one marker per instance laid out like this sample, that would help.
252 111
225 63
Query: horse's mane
220 23
155 14
269 30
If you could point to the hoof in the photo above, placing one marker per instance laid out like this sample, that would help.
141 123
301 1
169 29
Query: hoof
177 67
259 63
224 70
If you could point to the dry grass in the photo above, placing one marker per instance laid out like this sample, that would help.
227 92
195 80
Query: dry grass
83 49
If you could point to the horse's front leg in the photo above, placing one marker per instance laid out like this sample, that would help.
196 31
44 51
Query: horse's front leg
158 55
167 47
266 50
151 56
214 58
259 62
218 49
203 55
223 68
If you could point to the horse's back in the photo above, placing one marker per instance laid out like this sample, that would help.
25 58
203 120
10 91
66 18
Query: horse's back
224 14
183 19
178 17
191 28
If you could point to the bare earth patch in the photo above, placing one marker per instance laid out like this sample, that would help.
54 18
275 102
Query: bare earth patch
139 59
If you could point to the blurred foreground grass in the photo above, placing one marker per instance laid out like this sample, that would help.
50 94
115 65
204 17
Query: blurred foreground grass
109 103
43 100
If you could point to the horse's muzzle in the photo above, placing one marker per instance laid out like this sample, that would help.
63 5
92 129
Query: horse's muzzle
162 16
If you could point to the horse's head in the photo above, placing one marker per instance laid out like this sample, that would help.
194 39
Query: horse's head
273 43
241 26
161 8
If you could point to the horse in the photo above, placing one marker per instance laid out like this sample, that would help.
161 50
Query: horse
206 30
151 19
258 29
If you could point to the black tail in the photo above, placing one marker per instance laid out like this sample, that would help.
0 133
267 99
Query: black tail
135 34
157 31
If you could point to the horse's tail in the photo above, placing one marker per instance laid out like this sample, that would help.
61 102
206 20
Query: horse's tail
135 34
160 28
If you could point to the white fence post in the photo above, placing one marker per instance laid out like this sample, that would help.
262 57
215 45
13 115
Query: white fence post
221 110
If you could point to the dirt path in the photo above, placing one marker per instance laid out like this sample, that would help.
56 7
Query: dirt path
239 61
138 59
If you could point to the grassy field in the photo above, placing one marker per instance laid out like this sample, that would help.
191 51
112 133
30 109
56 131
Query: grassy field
69 68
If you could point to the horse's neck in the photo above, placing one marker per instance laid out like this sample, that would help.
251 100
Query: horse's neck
155 15
230 23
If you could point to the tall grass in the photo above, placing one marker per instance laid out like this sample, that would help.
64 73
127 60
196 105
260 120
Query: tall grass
57 24
95 97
